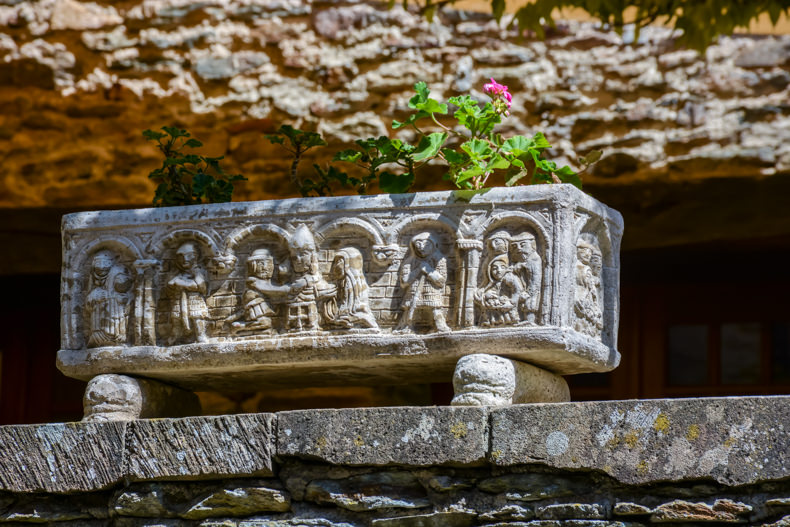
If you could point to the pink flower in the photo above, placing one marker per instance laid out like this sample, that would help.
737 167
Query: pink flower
498 92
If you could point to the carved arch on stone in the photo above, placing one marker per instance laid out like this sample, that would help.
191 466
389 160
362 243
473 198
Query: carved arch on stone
368 229
501 219
429 219
118 243
158 246
256 231
599 229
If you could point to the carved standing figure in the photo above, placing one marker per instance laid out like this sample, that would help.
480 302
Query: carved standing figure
352 307
587 305
108 301
528 267
308 288
423 275
499 299
257 298
187 291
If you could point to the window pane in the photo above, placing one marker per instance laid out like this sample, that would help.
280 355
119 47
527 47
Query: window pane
688 355
740 353
780 356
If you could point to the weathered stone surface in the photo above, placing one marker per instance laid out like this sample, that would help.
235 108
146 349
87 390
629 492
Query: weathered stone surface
532 487
240 501
204 447
441 483
380 490
436 519
382 436
679 511
486 380
571 511
778 503
114 397
565 523
630 509
61 457
509 513
214 296
306 522
733 440
783 522
145 503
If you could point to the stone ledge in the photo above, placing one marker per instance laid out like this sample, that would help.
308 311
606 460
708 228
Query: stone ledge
735 441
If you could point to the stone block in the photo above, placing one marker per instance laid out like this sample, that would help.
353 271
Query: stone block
572 511
200 447
61 457
533 486
722 511
239 501
734 441
370 492
386 436
436 519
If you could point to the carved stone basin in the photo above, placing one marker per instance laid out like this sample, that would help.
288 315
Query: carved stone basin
361 289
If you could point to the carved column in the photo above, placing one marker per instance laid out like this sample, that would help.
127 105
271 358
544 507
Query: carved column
470 251
144 303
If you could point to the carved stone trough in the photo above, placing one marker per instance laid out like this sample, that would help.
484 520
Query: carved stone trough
509 287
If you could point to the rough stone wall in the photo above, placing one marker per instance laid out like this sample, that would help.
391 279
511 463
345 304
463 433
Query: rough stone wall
80 80
603 464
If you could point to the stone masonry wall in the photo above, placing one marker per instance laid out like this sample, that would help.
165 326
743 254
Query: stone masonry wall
602 464
79 81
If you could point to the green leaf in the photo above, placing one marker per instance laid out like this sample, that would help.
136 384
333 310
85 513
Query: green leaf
432 106
541 141
453 157
591 158
518 145
193 143
498 9
396 183
153 136
429 146
476 148
349 156
174 132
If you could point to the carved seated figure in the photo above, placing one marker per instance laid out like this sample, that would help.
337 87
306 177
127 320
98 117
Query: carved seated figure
499 299
108 301
423 275
257 298
351 308
187 291
308 288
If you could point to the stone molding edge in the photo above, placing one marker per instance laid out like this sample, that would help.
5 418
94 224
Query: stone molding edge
734 441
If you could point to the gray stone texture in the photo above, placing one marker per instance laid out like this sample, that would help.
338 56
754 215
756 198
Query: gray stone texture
200 447
385 436
61 456
731 440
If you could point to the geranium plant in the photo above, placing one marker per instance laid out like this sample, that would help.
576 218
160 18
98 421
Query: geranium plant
471 150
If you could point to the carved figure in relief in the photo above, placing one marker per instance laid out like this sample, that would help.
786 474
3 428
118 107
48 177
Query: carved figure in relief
423 276
351 307
257 298
528 267
187 291
108 301
587 304
308 289
499 299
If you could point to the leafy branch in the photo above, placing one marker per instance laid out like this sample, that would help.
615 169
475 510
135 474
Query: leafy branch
186 178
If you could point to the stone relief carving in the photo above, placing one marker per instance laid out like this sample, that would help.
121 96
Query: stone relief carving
108 302
260 295
423 275
187 291
528 267
499 300
351 305
588 302
307 290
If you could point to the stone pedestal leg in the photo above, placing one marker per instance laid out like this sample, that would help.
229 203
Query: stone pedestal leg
113 397
489 380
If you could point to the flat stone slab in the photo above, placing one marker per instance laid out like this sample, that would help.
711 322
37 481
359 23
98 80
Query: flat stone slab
61 457
200 447
734 440
362 289
415 436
